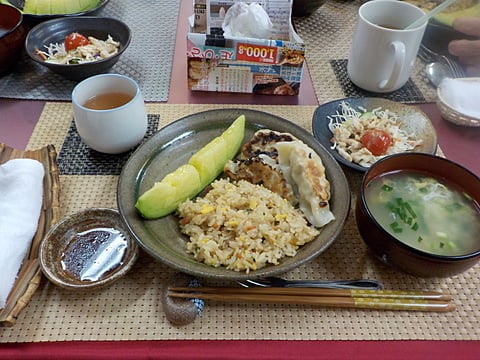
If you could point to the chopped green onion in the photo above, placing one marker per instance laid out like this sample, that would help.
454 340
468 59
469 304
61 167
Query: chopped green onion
386 187
396 227
419 239
402 214
415 226
410 209
391 207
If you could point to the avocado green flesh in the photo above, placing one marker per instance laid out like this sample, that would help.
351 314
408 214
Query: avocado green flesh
51 7
165 196
189 179
210 160
448 18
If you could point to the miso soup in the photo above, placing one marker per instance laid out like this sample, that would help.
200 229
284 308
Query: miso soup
424 212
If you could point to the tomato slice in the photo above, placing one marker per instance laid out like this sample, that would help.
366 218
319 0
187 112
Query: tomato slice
376 141
75 40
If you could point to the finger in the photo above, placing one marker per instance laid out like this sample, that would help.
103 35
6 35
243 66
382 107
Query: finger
467 25
470 60
473 70
465 48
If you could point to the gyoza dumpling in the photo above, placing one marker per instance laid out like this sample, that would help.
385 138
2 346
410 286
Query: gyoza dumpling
263 144
304 170
257 171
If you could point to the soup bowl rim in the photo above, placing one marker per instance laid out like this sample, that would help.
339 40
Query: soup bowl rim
397 242
18 23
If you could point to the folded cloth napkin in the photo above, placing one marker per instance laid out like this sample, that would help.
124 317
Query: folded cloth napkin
21 195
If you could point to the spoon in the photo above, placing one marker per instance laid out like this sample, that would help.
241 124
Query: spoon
442 6
437 71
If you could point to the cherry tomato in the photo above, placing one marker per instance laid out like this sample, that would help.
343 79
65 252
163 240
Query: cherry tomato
377 141
75 40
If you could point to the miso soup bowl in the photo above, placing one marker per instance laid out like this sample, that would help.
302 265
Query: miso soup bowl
12 36
392 251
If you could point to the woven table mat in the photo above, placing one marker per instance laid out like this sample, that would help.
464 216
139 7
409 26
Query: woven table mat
328 34
148 59
130 309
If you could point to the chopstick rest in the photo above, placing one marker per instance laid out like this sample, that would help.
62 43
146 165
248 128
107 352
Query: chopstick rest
182 311
363 299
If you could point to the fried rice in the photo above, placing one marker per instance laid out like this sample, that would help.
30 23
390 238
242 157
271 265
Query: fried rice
242 226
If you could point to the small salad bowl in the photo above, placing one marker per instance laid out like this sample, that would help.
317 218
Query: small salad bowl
55 31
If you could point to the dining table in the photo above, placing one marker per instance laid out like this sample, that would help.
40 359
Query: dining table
126 319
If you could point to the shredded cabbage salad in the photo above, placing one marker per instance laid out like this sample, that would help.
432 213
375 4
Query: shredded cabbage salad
349 125
95 50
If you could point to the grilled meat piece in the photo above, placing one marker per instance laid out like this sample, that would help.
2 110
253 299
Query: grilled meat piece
263 142
256 171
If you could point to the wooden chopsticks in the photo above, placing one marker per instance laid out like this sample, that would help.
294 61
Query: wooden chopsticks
364 299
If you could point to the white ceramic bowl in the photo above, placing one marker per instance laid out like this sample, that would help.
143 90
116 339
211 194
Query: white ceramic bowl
449 112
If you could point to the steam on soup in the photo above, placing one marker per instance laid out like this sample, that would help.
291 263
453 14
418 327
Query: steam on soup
424 212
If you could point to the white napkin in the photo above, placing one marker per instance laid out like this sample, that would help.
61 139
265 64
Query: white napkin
21 195
462 95
252 21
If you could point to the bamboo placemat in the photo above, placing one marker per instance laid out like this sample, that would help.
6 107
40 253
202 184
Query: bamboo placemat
29 274
328 35
131 309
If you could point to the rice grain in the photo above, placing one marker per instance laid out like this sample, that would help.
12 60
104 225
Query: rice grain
242 226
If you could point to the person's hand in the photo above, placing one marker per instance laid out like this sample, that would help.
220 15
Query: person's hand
467 51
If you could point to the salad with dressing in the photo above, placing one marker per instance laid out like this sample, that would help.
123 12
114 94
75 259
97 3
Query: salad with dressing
363 137
78 49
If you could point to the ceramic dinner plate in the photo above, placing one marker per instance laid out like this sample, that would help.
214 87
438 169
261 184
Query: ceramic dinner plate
413 121
171 147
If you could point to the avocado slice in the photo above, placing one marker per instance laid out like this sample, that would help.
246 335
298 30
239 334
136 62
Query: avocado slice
447 18
49 7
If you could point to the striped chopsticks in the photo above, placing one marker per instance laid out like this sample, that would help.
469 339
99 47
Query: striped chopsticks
362 299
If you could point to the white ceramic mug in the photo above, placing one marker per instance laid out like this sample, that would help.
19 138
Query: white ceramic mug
110 130
382 52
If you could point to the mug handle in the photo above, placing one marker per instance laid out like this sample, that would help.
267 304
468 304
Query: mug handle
399 61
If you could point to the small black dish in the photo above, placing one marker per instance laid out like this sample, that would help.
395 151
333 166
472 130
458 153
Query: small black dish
302 8
55 31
